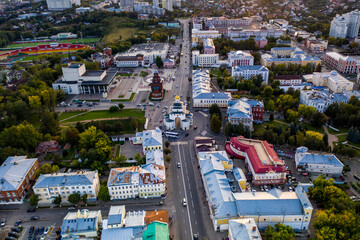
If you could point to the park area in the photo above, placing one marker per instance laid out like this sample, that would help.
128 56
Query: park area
73 41
70 117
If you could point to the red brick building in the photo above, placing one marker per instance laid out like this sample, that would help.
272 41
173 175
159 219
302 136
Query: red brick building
156 86
47 147
16 176
260 158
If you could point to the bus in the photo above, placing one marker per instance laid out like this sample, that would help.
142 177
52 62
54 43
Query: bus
172 134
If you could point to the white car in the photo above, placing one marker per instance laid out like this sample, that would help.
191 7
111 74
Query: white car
163 111
290 189
46 231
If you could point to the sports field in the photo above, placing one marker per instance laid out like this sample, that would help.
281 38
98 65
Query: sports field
74 41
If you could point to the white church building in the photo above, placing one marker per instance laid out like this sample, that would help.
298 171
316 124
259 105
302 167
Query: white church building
178 117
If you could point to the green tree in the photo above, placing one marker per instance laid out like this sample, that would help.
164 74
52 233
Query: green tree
214 109
120 160
167 151
158 61
291 115
121 106
318 119
215 123
47 168
137 157
49 124
279 232
57 200
74 198
84 198
34 200
168 159
114 109
23 136
104 193
167 144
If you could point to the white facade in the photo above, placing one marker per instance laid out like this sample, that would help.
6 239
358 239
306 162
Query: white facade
178 116
250 71
203 34
204 60
239 111
49 186
327 164
167 4
240 58
201 91
59 5
333 80
346 25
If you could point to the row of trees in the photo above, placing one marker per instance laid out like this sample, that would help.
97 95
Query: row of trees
215 118
339 216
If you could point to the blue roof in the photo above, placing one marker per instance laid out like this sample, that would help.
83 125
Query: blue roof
321 159
82 224
212 95
152 138
283 48
254 67
65 179
255 103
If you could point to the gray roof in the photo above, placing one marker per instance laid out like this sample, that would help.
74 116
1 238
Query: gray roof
152 138
66 179
109 77
76 224
13 172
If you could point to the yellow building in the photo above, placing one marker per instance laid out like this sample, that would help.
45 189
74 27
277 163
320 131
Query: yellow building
150 140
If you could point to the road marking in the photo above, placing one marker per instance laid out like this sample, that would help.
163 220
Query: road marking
204 114
195 222
190 195
182 173
192 202
180 143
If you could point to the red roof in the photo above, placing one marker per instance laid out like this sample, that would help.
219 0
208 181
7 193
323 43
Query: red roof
276 164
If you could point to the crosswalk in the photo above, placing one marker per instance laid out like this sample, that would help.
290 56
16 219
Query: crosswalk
180 143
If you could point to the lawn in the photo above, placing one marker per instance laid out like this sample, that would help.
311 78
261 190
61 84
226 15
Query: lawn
65 115
124 74
121 98
341 130
105 114
115 34
143 74
320 129
79 41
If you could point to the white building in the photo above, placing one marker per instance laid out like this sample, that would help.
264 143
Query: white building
209 47
142 55
167 4
131 182
346 25
197 34
333 80
321 100
150 140
59 5
83 224
201 91
76 80
326 164
178 117
243 229
204 60
240 58
239 111
49 186
250 71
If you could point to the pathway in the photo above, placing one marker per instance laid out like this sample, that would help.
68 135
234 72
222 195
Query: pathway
331 138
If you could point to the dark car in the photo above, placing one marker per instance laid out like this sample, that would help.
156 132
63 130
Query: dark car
160 203
18 222
31 210
31 230
186 134
36 232
34 218
15 230
41 230
10 238
13 234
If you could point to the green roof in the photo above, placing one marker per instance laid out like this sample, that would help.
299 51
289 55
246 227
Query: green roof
156 231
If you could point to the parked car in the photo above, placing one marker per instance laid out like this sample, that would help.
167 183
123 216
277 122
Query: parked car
31 230
3 222
41 230
34 218
31 210
14 229
179 165
13 234
71 208
160 203
46 231
18 222
10 238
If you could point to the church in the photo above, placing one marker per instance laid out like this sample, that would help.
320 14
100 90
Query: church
156 87
178 117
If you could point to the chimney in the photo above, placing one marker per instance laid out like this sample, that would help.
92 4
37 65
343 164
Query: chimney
254 228
85 214
78 213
